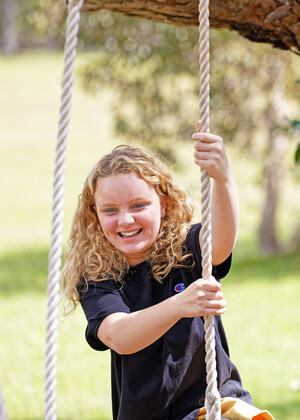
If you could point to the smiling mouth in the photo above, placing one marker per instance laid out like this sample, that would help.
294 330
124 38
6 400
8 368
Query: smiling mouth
129 234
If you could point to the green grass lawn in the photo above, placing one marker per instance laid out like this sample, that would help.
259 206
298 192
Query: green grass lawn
262 322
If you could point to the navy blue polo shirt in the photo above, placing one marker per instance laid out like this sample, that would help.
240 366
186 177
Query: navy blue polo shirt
166 380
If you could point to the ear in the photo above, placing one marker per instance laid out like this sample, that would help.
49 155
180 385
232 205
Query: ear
93 208
163 205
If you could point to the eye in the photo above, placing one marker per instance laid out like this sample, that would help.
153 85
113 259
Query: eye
139 206
110 211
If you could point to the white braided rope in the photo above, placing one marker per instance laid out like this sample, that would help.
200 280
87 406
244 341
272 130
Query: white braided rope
3 415
55 252
212 396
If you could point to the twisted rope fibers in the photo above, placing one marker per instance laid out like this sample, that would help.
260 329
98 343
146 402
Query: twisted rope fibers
55 252
212 396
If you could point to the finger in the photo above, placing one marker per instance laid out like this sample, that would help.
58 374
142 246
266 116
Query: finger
221 311
214 308
205 155
208 165
217 307
216 303
219 295
211 285
201 146
208 296
206 137
213 150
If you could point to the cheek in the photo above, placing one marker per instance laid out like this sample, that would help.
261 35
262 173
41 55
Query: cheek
155 222
106 224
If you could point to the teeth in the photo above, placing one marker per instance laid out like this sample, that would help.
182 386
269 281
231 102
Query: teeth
128 234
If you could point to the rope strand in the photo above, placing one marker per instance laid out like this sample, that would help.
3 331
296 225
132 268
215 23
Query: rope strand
55 252
212 396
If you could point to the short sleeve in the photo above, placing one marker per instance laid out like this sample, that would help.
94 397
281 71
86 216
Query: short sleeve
98 300
193 246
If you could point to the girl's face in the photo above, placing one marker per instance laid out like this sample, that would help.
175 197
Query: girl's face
129 211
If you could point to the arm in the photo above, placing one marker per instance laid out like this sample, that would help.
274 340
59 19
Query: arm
129 333
210 155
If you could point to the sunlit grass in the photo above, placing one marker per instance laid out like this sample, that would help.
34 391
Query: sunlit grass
263 332
83 374
30 91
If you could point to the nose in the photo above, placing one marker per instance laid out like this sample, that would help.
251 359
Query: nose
125 219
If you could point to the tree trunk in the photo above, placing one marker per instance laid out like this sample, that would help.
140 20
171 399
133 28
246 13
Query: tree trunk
272 21
268 238
9 11
268 242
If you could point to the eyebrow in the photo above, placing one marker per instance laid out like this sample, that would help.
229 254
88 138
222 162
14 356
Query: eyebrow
138 198
104 206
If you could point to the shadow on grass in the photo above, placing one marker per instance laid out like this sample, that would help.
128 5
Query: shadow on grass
288 410
270 268
24 271
279 411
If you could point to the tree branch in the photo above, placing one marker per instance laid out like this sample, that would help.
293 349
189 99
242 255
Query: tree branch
276 22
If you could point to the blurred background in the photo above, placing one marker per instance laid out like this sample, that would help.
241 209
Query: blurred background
136 82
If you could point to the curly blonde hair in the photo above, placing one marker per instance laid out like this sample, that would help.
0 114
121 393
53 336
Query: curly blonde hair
91 256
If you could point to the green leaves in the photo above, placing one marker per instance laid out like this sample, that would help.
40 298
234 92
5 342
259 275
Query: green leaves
297 154
295 126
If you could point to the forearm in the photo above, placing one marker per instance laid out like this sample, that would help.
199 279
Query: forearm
224 218
210 155
129 333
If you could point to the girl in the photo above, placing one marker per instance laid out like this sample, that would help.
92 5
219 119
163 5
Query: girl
134 264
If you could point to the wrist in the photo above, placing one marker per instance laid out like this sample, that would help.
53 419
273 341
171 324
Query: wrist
174 307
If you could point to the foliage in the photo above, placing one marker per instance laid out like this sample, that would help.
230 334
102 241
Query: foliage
295 126
153 69
39 23
297 155
148 72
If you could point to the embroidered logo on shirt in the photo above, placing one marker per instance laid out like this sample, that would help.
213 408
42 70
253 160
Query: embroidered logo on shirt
179 287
